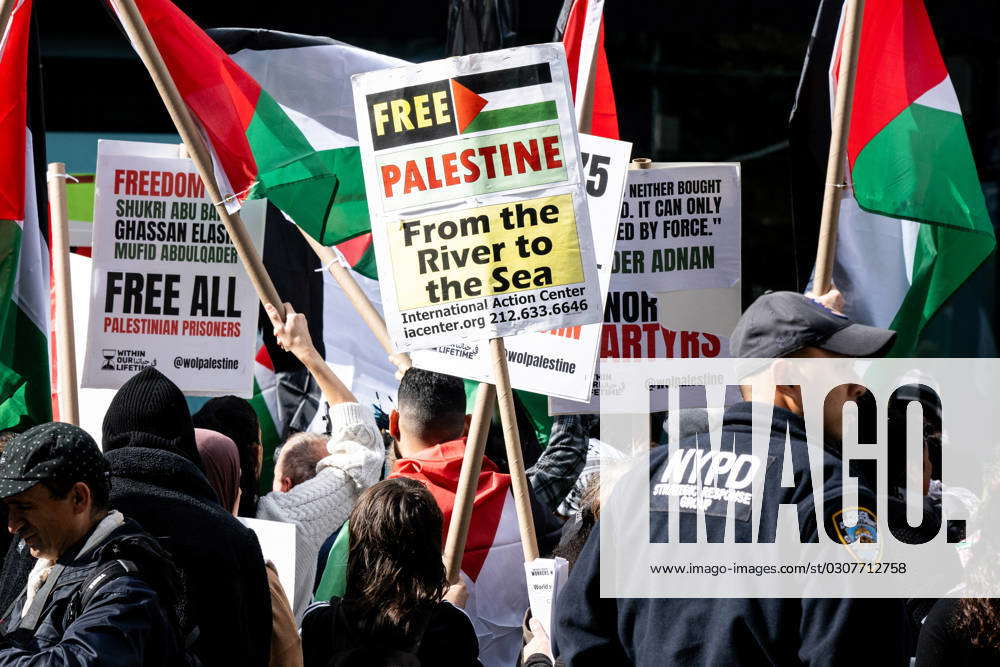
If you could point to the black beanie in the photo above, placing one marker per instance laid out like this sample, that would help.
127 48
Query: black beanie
150 411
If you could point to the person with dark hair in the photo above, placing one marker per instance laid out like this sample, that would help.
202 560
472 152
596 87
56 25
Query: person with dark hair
222 465
965 631
352 461
102 591
429 431
157 479
235 418
393 612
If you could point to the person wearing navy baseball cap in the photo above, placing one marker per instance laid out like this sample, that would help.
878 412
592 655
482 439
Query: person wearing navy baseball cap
95 570
590 630
781 324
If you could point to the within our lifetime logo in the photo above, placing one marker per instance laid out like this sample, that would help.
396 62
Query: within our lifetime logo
125 360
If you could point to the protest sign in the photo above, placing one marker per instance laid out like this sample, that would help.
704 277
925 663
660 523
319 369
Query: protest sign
476 197
680 228
558 362
546 577
168 289
277 544
667 264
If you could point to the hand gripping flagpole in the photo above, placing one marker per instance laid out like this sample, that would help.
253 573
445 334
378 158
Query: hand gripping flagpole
198 151
836 161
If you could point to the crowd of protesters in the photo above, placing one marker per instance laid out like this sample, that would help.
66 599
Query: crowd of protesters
132 553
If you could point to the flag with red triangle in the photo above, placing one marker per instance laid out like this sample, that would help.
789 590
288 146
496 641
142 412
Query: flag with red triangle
284 140
502 98
915 208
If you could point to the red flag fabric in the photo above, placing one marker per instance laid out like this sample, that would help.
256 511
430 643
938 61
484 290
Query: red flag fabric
604 121
14 111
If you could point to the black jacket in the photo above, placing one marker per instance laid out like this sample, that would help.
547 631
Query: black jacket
329 638
591 630
125 622
219 557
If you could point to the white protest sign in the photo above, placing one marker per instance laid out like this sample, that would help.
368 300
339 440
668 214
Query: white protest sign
646 316
168 289
546 576
680 228
277 544
558 362
476 197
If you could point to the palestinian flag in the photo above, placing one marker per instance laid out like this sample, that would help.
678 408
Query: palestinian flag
914 234
24 255
502 98
280 137
265 405
580 25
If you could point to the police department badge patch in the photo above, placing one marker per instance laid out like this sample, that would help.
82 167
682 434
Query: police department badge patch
861 538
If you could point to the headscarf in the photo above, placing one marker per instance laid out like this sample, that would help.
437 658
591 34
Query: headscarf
222 464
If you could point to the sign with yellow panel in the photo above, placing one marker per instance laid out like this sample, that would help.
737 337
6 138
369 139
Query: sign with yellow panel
476 195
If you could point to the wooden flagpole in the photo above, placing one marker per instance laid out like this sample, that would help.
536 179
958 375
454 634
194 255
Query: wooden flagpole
69 407
372 318
468 480
498 354
475 446
197 150
836 161
6 10
512 441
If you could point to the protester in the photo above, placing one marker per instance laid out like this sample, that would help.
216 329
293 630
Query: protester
558 470
222 466
393 611
353 462
235 418
296 460
965 631
150 444
222 463
428 430
102 591
592 630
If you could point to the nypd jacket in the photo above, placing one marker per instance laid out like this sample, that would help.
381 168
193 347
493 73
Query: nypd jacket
591 630
123 622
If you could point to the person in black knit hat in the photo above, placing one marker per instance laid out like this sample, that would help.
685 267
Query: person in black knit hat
150 411
157 480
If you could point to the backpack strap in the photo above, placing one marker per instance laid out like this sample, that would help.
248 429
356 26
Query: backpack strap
97 579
